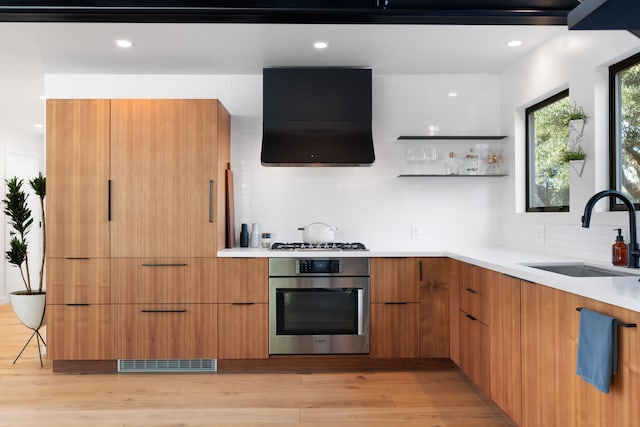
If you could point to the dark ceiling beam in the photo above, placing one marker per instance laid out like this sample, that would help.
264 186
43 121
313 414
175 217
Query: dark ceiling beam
606 15
320 12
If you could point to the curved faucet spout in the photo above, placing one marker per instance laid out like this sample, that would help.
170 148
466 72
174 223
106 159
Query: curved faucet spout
634 252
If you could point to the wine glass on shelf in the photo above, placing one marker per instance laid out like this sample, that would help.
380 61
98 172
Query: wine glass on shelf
410 157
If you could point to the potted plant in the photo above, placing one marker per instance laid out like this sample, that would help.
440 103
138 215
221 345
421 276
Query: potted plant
29 304
575 119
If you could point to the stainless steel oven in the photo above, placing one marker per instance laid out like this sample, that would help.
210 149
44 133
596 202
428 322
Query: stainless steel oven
318 305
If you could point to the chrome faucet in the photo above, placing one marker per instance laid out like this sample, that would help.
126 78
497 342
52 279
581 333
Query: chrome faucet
634 252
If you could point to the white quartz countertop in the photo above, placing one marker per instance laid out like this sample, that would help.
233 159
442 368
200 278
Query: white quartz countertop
622 291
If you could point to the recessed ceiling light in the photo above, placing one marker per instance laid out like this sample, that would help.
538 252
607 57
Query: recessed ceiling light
38 125
123 43
320 45
452 94
514 43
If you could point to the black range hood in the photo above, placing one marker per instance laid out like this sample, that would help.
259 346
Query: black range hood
317 117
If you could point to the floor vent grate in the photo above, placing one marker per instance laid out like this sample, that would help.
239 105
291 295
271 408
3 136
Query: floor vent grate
168 365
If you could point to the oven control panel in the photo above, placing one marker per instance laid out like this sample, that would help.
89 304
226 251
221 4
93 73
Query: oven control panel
318 266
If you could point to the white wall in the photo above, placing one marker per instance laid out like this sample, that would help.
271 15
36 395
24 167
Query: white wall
13 141
577 60
367 204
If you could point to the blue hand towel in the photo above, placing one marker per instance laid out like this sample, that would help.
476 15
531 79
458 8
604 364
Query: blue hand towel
597 349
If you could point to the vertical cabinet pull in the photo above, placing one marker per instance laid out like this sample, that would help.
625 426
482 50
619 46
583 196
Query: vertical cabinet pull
420 270
109 200
210 196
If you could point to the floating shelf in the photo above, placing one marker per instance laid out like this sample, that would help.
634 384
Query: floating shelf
449 176
450 137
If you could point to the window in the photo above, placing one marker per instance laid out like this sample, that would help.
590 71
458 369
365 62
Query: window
624 129
547 135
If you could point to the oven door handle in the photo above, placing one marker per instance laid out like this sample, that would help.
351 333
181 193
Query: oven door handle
360 311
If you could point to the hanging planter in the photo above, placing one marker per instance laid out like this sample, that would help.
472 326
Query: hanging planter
577 166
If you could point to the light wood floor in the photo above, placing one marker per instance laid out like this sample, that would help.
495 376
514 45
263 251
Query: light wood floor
34 396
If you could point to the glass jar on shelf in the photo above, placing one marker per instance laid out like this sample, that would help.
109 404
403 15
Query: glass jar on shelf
452 165
494 163
471 162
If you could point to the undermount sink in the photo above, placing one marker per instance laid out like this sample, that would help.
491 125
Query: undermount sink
579 269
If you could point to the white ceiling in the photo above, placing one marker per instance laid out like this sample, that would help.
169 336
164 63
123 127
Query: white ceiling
30 50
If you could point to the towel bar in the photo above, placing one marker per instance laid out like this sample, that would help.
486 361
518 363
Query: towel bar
626 325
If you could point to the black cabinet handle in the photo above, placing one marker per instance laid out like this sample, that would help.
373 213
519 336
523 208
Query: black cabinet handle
77 305
77 258
109 200
470 317
420 267
470 290
164 311
165 265
396 303
210 196
242 303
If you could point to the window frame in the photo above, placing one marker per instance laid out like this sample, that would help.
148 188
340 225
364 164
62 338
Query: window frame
614 164
547 101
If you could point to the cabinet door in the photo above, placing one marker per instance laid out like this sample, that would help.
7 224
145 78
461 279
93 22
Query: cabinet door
552 393
504 336
243 280
454 311
243 331
78 281
163 280
395 330
394 280
79 332
165 331
164 180
434 306
474 350
78 137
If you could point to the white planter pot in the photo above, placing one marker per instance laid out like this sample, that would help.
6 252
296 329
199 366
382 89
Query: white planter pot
577 166
29 308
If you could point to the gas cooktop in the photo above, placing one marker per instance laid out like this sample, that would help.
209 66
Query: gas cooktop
333 246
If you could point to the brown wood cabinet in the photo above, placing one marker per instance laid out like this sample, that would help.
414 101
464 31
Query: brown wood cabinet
504 337
552 392
78 276
474 350
454 311
78 147
79 332
164 190
163 280
165 331
78 281
243 327
395 308
433 274
473 323
133 182
394 280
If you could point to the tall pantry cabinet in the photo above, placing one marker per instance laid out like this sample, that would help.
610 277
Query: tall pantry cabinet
161 196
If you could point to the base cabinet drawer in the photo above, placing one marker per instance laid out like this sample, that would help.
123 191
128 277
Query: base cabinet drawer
79 332
165 331
78 281
395 330
161 280
474 350
243 331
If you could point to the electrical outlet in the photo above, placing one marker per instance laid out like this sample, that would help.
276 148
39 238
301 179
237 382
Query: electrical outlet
416 232
539 234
